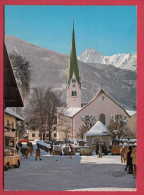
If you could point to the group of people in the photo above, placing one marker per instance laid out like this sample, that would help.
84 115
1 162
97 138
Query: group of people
128 156
28 150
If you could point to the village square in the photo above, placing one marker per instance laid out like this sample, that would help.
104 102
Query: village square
57 140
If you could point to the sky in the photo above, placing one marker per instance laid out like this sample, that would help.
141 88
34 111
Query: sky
108 29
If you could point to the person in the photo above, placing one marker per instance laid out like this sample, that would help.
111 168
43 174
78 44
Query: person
37 154
100 151
17 148
51 148
129 165
133 155
70 150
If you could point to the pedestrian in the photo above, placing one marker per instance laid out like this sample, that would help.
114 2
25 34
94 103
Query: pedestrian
70 150
17 148
37 153
129 165
133 155
100 151
51 148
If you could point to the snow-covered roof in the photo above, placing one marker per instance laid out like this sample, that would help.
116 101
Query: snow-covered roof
131 112
12 113
71 111
98 129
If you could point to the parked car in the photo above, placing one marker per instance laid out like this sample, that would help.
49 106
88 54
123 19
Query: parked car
85 151
57 150
11 159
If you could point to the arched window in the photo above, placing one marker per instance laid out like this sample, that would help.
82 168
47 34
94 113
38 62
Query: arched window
74 93
102 118
73 81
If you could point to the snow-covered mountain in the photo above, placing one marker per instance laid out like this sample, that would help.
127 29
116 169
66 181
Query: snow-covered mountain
48 70
123 60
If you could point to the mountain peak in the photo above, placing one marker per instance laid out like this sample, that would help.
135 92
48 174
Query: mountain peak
121 60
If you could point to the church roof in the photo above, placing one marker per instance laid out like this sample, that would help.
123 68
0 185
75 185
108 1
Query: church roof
99 129
131 112
71 111
73 64
93 99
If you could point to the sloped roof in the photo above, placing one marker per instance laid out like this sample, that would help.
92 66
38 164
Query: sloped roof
10 112
73 66
71 111
131 112
12 94
99 129
109 96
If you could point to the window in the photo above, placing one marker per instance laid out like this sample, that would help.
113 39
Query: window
33 134
74 93
73 80
102 118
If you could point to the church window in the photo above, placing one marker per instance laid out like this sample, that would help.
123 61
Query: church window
73 81
102 118
74 93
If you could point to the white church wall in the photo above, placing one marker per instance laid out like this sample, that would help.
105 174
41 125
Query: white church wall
102 104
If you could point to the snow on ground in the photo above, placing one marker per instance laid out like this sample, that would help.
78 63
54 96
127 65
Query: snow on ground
59 173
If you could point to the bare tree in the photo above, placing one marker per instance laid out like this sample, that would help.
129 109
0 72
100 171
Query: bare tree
88 122
64 124
118 126
22 72
41 111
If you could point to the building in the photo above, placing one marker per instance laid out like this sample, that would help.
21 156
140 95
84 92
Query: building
12 99
11 127
103 106
132 124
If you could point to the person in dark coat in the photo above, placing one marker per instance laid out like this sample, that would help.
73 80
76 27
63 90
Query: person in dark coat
37 153
129 165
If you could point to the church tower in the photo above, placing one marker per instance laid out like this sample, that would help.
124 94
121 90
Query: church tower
73 81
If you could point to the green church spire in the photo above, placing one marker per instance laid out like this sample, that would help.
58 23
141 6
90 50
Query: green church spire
73 66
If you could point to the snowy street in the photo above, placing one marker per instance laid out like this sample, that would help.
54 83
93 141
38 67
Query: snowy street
59 173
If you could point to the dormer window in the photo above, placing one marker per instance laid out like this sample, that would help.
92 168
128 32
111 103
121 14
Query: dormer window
74 93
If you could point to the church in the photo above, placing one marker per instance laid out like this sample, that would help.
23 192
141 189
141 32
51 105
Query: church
103 106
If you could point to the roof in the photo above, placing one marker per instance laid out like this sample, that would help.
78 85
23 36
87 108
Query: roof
99 129
71 111
12 95
73 65
109 96
131 112
10 112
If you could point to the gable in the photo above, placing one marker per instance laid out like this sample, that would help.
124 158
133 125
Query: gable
100 98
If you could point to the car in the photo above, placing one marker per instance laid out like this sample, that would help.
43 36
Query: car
11 159
85 151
